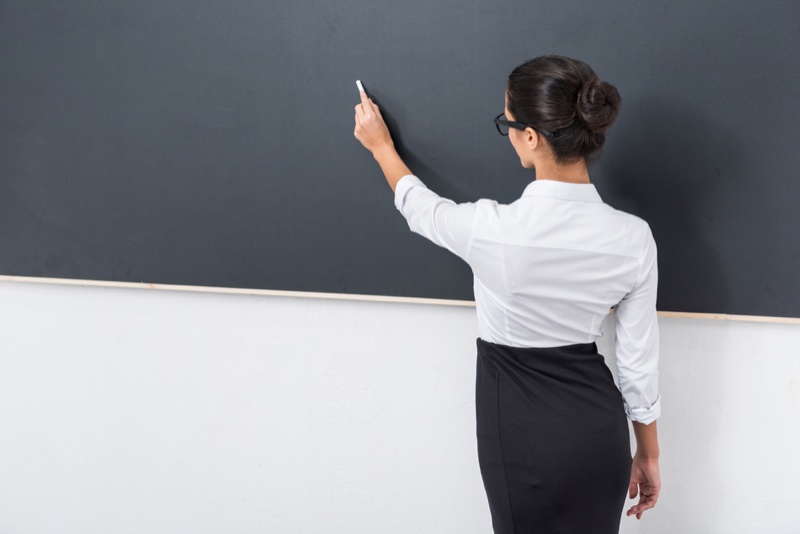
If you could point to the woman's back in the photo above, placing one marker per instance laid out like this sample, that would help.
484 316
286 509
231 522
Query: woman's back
550 266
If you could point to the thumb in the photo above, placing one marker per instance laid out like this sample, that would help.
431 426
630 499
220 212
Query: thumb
633 489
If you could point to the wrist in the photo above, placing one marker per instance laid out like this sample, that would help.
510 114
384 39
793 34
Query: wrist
383 151
647 456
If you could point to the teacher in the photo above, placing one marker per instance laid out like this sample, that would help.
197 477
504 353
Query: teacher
553 442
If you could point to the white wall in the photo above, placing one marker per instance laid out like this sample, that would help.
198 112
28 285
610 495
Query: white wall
143 411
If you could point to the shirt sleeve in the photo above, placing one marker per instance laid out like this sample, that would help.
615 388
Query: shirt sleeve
637 341
444 222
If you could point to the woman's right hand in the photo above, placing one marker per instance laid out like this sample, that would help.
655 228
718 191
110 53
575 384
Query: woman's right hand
371 129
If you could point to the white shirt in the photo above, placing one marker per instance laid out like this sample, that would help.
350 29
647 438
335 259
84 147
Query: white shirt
547 270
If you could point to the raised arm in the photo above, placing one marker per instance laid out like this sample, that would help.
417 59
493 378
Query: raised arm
441 220
372 132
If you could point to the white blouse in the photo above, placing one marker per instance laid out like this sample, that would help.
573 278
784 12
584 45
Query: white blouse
547 270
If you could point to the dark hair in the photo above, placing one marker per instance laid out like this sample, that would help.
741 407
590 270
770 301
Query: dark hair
565 96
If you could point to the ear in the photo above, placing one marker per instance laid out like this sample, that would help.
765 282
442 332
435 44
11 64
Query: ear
532 138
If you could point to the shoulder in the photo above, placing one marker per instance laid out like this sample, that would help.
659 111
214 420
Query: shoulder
635 224
639 235
489 209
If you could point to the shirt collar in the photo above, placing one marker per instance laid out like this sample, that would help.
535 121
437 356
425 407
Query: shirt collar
562 191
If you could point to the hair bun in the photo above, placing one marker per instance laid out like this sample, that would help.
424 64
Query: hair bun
598 105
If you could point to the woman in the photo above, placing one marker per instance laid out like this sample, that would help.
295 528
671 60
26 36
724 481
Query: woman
552 430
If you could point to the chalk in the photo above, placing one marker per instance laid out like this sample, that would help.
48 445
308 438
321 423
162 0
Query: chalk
360 87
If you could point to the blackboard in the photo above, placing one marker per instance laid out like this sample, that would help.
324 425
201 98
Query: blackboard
209 142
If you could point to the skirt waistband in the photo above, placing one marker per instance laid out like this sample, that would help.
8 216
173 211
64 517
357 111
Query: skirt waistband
578 348
580 364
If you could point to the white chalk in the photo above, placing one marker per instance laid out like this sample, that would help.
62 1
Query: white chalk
360 87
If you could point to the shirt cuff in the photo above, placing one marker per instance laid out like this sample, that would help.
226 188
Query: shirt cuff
402 188
645 415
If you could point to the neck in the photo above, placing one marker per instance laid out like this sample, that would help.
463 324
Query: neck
572 173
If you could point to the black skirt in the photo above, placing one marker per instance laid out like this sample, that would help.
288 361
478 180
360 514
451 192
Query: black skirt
553 440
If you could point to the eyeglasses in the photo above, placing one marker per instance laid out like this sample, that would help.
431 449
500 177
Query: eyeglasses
503 125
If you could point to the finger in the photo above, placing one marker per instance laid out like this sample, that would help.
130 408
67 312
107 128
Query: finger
366 104
364 98
645 503
633 489
360 111
635 511
639 508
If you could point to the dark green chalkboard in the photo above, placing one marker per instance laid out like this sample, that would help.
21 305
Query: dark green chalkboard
210 142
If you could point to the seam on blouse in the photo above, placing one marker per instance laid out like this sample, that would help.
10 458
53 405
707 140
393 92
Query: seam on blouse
507 288
641 275
471 240
592 328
